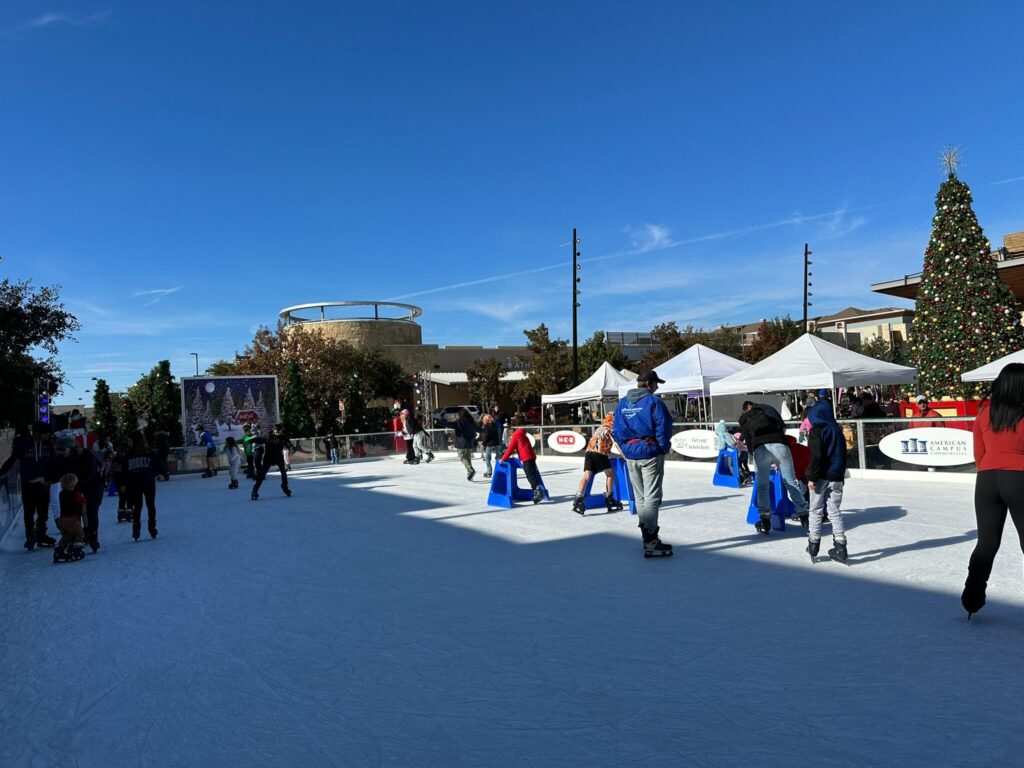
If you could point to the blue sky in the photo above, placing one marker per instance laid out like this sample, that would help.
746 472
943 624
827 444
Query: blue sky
186 170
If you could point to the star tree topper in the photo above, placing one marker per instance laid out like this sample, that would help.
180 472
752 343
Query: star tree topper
952 158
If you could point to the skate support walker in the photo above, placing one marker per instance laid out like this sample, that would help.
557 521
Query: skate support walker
778 498
622 490
112 490
504 491
727 468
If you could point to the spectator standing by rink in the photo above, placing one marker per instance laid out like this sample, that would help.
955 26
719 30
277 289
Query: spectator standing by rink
643 430
764 433
331 444
142 484
999 486
272 454
490 441
519 444
826 474
75 460
465 440
206 439
34 452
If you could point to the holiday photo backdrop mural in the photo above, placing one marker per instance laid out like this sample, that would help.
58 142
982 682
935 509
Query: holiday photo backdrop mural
223 404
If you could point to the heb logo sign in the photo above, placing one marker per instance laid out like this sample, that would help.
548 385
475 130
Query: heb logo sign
695 444
930 446
566 441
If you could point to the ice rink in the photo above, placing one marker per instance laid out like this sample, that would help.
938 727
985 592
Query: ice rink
385 616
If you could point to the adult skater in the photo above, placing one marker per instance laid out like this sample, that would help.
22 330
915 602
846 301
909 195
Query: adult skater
206 439
75 460
519 444
34 452
999 486
764 433
490 441
273 456
465 440
643 430
595 461
142 484
825 479
408 433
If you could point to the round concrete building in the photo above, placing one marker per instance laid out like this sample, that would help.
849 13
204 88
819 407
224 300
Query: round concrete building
370 324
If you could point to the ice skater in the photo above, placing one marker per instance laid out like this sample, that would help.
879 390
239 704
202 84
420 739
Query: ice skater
142 467
465 440
596 460
72 515
234 456
34 452
764 433
825 477
421 443
490 441
247 437
75 460
273 447
206 439
519 443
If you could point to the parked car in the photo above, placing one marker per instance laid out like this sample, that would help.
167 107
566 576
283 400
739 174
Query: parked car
446 416
532 415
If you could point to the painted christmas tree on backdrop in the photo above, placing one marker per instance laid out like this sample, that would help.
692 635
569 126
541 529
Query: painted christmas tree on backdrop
965 315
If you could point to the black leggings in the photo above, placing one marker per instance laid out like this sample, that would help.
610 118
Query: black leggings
532 475
995 492
145 491
261 474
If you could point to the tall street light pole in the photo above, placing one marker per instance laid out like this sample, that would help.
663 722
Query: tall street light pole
807 284
575 306
196 356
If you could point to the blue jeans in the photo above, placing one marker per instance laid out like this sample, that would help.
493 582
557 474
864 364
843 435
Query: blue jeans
491 452
779 455
334 455
647 475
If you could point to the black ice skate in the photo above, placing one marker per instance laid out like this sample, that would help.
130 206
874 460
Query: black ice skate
973 596
579 505
838 552
612 504
124 515
70 554
764 526
287 491
538 495
430 457
812 548
232 485
43 540
469 475
255 496
207 473
94 544
152 531
30 543
653 546
805 523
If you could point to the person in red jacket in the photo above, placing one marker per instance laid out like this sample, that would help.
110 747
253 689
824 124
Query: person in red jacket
519 443
999 487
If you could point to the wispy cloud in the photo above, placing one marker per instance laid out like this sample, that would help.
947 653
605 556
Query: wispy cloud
650 237
1012 180
157 294
53 18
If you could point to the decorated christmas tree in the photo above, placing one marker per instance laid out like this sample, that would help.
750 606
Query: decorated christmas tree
965 316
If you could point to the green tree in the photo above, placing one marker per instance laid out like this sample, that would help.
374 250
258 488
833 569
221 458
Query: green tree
31 322
551 366
772 335
104 419
484 378
295 412
127 420
966 316
221 368
597 350
895 351
157 399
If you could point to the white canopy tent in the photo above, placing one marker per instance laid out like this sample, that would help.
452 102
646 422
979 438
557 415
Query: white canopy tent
692 371
813 363
989 371
603 383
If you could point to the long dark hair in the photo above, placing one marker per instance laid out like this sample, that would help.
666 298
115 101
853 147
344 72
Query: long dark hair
1006 407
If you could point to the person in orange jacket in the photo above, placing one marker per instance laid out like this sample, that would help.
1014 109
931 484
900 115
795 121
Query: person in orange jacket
519 444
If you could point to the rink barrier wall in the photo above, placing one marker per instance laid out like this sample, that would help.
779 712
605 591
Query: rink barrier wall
10 500
862 439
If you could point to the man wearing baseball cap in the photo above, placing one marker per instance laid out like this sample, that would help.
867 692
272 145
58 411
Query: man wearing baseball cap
926 412
643 430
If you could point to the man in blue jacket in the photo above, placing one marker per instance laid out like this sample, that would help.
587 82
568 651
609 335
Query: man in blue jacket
643 430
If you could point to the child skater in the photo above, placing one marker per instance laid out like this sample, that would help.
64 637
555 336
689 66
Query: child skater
825 475
421 442
597 460
71 546
519 443
234 454
490 440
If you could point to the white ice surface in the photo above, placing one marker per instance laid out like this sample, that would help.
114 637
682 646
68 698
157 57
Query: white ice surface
385 616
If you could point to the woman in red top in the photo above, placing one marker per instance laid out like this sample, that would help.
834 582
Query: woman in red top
999 456
520 443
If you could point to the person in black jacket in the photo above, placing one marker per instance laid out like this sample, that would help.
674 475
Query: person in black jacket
490 439
142 469
34 452
75 460
764 433
465 440
272 455
825 477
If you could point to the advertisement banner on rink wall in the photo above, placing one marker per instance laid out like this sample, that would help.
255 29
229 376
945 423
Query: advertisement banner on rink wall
930 446
223 404
567 441
695 444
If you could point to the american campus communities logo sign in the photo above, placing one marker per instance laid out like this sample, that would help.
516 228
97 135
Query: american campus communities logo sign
930 446
695 444
566 441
